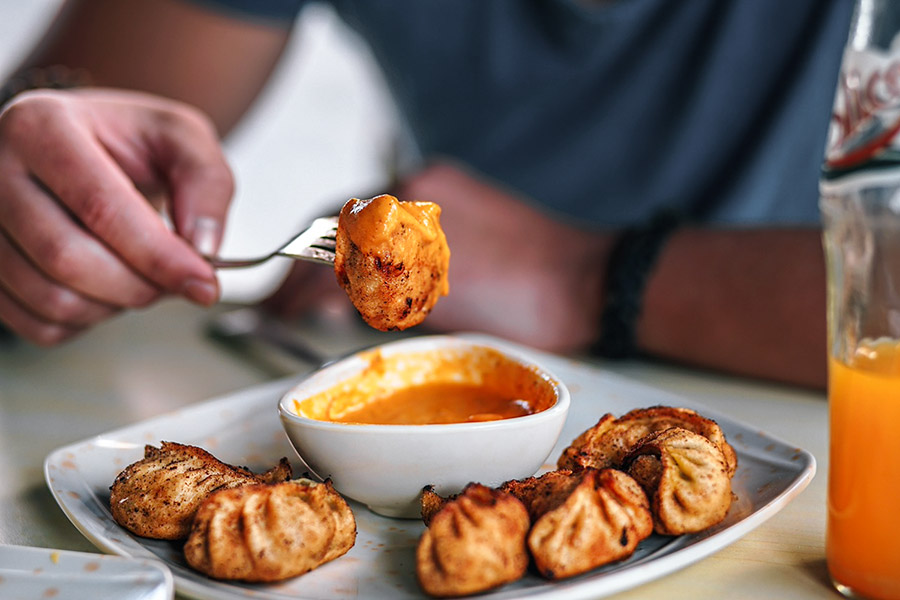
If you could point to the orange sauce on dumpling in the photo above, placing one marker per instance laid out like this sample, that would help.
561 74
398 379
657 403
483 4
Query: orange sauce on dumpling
392 259
436 403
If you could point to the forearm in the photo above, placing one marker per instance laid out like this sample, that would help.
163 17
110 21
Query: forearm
167 47
748 302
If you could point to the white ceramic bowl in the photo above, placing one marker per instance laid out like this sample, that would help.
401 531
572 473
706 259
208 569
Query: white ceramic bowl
386 466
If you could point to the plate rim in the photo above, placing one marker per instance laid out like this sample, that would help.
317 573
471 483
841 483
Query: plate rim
144 564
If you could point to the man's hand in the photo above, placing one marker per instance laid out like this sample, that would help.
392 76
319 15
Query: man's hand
79 239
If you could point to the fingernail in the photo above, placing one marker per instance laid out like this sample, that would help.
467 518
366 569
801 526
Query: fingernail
206 236
200 291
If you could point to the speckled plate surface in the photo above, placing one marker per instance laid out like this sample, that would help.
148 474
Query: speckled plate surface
243 428
27 572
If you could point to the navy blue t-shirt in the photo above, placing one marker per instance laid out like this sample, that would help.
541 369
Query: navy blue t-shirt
613 110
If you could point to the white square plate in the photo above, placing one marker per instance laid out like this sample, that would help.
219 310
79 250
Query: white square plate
243 428
27 572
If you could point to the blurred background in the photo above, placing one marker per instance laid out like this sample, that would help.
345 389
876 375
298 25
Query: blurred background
323 131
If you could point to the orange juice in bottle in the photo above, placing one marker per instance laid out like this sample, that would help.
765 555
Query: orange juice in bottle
863 546
860 206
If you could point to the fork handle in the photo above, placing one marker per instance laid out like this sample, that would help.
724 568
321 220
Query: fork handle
233 263
316 255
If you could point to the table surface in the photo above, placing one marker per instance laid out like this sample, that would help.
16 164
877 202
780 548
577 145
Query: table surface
151 362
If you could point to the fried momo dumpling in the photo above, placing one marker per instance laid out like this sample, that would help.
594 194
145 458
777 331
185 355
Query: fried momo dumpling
475 542
270 532
599 520
157 496
606 443
686 478
392 259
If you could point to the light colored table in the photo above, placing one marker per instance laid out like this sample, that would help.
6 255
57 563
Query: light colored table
148 363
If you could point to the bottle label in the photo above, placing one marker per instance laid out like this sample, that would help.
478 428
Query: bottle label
865 120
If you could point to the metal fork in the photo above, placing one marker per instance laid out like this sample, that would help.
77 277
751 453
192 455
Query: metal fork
315 243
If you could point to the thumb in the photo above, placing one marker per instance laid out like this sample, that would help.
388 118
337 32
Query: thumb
201 195
200 182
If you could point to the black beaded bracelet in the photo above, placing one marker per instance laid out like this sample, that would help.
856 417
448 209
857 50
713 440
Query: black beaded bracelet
630 263
56 77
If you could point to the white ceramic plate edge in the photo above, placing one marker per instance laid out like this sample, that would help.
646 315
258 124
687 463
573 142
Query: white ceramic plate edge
31 568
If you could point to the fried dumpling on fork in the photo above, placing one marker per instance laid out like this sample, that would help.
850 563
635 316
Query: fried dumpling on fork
269 532
157 496
686 478
608 442
474 542
582 520
392 259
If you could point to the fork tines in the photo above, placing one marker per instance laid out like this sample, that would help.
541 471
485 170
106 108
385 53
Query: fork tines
317 243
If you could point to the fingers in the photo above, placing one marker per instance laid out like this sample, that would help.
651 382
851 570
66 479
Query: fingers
29 327
83 175
48 301
61 250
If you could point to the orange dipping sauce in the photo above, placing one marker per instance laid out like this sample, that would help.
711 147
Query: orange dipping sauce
438 403
430 388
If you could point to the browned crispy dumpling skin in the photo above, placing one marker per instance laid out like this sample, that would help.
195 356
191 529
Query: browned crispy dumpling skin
583 520
270 532
392 259
608 442
157 496
544 493
686 478
432 503
597 447
476 542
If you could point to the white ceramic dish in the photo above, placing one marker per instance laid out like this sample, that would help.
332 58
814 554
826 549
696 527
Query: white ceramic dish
27 572
386 466
243 428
